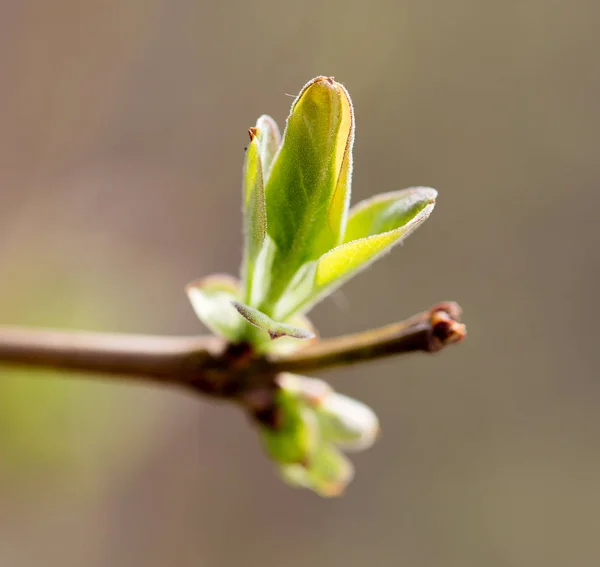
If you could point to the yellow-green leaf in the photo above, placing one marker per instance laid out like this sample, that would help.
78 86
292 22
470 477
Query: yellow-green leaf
309 184
381 223
255 213
374 227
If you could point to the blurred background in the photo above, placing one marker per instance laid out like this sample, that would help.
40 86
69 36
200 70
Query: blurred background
122 132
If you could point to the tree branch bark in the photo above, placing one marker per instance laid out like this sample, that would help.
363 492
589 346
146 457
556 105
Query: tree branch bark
428 331
211 366
141 357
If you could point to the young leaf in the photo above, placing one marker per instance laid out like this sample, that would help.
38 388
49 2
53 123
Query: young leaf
255 213
387 211
309 184
289 344
374 226
269 140
404 213
274 328
211 299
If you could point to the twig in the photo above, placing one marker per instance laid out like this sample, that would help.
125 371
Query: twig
429 331
211 366
142 357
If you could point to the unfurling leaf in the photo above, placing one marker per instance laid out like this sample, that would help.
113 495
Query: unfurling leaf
335 267
255 213
308 188
274 328
376 226
387 212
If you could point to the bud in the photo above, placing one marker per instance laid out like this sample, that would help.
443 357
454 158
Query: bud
348 423
294 435
327 474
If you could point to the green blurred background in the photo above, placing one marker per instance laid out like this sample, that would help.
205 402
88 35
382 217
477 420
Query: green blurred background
122 133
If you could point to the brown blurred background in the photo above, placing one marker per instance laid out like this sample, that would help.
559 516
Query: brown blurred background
122 133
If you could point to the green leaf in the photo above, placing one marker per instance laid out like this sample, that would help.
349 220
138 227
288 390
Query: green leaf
387 212
255 213
308 189
375 226
211 298
274 328
328 473
294 437
403 212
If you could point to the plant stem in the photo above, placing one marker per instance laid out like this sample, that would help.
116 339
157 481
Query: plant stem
208 364
428 331
142 357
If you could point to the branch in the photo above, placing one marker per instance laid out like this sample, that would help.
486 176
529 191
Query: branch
142 357
209 364
429 331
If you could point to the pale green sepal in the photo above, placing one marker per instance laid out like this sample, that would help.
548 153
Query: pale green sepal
350 424
211 299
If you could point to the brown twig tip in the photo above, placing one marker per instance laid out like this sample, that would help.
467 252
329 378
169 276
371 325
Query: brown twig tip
252 133
446 328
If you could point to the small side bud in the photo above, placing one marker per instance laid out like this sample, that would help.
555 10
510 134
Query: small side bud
328 474
294 435
348 423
